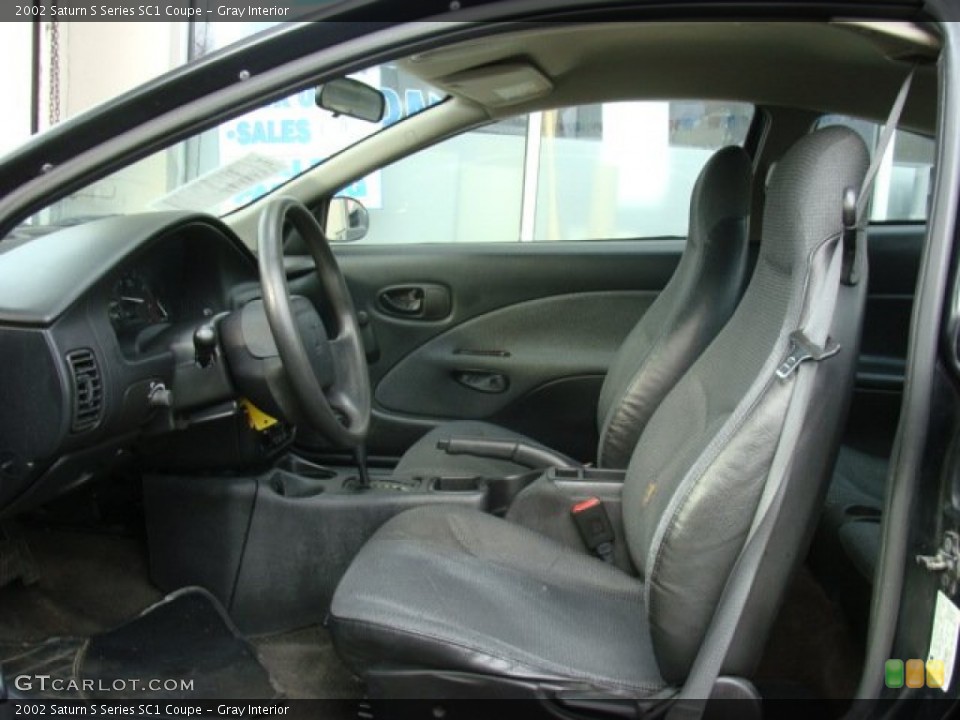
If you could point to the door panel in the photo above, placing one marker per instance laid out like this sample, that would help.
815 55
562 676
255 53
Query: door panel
848 543
560 310
524 345
894 254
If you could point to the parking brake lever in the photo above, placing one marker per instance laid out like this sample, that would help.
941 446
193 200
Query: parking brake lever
531 456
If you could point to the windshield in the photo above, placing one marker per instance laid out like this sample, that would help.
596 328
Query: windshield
235 163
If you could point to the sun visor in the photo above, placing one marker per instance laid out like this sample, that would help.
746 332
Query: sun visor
499 85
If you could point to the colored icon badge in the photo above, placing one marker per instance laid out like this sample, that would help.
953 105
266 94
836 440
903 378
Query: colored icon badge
935 673
916 674
893 674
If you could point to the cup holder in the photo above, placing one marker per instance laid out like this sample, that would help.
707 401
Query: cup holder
456 484
304 468
294 486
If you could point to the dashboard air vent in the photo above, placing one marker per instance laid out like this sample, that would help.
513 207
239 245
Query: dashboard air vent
87 390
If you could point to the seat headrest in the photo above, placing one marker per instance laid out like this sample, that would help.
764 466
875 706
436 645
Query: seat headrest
805 197
721 193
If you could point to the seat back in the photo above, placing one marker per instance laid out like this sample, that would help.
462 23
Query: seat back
688 313
698 471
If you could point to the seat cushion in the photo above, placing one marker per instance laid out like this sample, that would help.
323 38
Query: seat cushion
424 459
457 590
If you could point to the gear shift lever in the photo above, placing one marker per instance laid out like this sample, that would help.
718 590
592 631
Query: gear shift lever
360 453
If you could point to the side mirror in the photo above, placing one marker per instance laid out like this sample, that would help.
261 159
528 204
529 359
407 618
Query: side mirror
346 96
347 220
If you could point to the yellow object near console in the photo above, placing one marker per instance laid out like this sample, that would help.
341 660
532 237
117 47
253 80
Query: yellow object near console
257 418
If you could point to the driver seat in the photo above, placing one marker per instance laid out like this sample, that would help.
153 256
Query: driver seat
448 602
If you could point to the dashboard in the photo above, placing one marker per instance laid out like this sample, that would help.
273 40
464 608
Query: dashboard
97 327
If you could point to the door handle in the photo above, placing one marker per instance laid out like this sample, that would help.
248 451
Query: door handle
492 383
403 300
420 302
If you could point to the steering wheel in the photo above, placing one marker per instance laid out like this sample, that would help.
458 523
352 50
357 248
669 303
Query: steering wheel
328 376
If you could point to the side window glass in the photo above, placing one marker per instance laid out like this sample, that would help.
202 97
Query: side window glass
626 170
903 182
591 172
466 189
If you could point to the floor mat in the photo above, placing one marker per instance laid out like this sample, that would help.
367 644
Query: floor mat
53 660
303 664
88 583
811 651
184 647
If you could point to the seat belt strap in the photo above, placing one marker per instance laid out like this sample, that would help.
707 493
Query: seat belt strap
708 664
893 120
855 206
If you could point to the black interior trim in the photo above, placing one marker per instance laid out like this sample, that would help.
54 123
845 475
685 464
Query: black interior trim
925 334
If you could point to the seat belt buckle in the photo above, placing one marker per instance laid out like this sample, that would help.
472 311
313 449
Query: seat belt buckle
801 350
593 524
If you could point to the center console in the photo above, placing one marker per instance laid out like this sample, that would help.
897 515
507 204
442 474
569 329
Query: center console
273 545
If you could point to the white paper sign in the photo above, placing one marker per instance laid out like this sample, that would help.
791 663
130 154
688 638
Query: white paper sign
210 190
943 639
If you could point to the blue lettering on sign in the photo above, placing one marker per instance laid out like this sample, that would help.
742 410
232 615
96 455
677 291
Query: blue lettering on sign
303 99
357 190
394 109
298 131
272 132
307 98
412 103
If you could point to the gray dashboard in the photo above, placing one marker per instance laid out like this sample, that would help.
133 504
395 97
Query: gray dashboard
93 319
41 279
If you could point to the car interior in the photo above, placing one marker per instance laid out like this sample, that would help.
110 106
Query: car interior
570 467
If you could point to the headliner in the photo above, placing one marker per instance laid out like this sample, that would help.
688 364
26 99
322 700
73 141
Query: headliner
846 67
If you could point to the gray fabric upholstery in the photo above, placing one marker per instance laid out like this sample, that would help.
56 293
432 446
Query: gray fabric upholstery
545 508
861 540
858 479
463 591
697 473
505 600
670 335
687 315
425 460
856 498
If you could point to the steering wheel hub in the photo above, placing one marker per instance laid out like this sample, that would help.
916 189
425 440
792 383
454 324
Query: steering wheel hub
310 373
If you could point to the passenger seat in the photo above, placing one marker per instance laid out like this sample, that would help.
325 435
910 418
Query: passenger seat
697 302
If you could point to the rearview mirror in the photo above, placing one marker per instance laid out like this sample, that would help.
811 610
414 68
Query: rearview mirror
346 96
347 220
